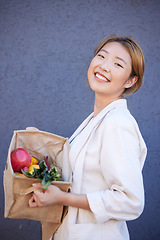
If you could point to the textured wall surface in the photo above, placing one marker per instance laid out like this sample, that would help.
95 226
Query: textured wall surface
45 50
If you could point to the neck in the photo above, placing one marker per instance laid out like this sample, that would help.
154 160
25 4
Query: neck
102 102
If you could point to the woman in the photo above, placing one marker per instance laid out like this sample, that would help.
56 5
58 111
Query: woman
107 151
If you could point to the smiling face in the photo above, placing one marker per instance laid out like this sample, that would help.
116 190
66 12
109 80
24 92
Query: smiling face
109 71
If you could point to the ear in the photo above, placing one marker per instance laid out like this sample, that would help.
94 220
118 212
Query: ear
130 82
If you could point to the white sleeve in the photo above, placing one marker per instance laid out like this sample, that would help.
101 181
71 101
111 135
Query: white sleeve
121 169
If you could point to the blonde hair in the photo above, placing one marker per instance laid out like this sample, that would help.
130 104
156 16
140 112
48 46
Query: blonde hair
136 55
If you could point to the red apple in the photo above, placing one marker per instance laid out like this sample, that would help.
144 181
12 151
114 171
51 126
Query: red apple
20 158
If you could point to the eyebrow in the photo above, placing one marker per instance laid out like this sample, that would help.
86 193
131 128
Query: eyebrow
116 56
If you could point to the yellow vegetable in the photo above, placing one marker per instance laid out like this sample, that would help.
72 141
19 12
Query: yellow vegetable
20 174
31 168
33 161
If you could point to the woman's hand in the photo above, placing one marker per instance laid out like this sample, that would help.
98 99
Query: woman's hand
32 129
54 196
41 197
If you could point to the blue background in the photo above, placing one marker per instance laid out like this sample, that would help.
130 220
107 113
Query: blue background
45 50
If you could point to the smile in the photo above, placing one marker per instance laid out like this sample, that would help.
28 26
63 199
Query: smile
101 77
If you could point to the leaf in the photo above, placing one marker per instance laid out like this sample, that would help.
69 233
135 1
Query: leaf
55 175
53 170
47 163
46 183
37 173
27 174
43 165
44 173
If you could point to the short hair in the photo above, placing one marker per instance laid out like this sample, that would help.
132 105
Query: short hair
136 55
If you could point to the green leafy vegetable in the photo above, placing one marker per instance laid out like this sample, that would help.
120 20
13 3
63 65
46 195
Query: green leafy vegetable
44 173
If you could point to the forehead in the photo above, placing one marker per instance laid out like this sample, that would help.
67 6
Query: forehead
116 49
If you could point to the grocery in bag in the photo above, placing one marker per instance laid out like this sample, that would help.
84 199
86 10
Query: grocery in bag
39 144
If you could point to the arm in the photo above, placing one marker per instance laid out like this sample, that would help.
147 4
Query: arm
54 196
121 167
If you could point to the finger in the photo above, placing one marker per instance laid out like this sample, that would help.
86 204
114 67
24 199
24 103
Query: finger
37 185
38 195
32 202
32 129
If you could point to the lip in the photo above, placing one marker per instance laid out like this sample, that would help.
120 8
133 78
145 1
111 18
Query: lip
101 78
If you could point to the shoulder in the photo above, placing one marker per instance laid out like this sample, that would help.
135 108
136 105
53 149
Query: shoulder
120 118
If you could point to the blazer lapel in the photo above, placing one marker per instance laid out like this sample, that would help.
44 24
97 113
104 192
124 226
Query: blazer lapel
83 132
79 148
81 127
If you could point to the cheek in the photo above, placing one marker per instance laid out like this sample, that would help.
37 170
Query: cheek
92 66
121 74
90 71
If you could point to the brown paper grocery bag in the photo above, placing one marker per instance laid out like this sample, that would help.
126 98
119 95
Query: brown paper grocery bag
39 144
49 228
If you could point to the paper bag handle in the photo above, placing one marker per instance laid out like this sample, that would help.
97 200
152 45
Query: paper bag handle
26 191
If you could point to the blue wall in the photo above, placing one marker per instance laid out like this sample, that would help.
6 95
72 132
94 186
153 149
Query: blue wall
45 50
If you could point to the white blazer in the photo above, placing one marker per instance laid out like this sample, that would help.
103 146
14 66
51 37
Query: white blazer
107 156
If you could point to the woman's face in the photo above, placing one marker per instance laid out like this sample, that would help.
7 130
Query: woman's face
109 71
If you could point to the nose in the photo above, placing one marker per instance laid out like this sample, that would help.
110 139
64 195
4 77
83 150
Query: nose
105 66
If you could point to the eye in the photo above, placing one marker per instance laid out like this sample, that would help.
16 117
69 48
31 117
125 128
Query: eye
118 65
100 55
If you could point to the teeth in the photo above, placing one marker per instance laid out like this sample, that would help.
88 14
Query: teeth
101 77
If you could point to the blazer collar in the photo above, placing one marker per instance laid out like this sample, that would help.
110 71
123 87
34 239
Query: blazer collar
85 132
117 103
